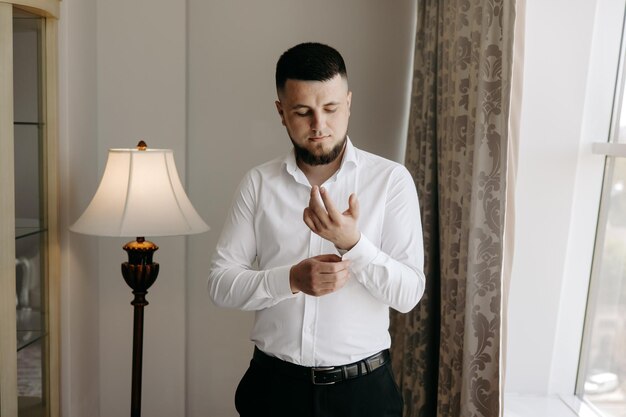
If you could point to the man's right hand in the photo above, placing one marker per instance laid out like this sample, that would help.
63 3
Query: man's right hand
319 275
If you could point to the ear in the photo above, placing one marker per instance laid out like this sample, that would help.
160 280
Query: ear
279 108
349 99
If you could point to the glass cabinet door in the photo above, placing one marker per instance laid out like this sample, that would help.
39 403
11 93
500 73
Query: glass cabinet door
29 255
30 214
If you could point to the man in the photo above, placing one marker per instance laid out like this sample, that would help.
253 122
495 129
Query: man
325 275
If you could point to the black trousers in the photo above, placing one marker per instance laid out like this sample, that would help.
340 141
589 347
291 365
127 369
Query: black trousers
263 392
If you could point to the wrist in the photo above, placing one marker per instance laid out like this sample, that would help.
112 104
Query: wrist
292 281
350 243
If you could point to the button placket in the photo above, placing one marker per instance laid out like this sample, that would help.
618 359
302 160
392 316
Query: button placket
310 313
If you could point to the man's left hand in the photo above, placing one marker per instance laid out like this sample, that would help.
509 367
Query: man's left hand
324 219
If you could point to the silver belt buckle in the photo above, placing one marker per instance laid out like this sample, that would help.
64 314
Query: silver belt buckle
324 368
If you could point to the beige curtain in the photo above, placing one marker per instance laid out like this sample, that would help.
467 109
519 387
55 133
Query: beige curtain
447 350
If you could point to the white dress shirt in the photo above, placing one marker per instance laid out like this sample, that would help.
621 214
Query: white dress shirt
265 225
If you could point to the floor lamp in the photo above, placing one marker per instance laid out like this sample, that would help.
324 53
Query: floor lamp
140 194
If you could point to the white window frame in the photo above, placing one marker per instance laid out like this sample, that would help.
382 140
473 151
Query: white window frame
562 328
610 149
586 217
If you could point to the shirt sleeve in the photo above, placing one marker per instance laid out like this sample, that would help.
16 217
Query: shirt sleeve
394 273
233 281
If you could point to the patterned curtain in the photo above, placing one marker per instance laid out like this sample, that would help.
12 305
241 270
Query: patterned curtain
446 351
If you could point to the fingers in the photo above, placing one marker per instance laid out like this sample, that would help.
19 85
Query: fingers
329 257
331 267
329 287
329 274
353 206
316 207
328 210
323 218
333 213
320 275
311 220
327 283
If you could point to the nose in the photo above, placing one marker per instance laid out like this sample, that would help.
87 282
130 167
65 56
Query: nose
318 122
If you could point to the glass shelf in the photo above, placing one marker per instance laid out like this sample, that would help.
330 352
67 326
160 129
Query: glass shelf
21 232
25 227
26 338
28 124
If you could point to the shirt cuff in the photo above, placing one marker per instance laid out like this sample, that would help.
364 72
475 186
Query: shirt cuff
361 255
278 282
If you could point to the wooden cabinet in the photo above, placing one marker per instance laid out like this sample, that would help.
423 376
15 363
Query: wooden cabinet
29 258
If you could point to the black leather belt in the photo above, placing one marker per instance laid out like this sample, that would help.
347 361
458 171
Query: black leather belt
325 375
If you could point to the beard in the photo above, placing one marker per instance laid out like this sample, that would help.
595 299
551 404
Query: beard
310 158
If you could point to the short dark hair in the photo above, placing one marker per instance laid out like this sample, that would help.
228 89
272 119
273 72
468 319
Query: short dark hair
309 61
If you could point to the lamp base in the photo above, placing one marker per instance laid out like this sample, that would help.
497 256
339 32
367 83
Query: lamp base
139 273
140 251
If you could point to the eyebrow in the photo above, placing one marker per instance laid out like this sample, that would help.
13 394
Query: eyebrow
302 106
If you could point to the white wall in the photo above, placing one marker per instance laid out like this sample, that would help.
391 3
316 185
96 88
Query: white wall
122 78
569 74
233 125
80 347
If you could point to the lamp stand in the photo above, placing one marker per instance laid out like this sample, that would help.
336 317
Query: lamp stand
139 273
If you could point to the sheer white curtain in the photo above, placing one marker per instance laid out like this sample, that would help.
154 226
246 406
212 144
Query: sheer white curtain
517 84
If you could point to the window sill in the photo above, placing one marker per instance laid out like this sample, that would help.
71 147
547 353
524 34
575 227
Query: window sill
546 406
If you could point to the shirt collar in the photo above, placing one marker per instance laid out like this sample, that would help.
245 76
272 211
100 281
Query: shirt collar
349 158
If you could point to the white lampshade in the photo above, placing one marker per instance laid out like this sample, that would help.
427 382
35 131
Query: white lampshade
140 194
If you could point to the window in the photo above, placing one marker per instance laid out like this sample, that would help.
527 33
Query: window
602 369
